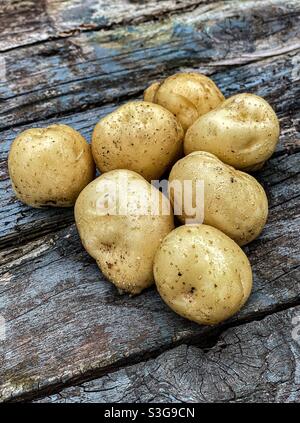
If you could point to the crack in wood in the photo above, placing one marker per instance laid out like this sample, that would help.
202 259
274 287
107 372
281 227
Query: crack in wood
52 393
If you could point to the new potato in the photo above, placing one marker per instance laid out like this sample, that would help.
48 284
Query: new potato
186 95
50 166
118 229
202 274
139 136
243 132
234 202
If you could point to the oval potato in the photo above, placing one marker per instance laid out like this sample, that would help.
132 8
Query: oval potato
139 136
234 202
117 228
149 93
186 95
202 274
50 166
243 132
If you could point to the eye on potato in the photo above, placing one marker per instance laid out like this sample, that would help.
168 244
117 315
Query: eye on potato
202 274
50 166
117 228
234 202
186 95
243 132
139 136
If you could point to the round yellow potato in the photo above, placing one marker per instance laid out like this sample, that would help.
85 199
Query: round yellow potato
243 132
120 227
138 136
50 166
202 274
149 93
234 202
186 95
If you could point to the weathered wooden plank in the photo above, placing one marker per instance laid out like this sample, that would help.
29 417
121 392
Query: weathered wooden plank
255 362
271 78
31 21
23 22
64 322
100 67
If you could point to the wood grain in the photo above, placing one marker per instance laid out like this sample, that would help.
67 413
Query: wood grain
31 21
65 322
67 75
255 362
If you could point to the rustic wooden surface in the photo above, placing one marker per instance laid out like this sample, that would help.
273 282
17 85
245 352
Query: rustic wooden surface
65 324
254 362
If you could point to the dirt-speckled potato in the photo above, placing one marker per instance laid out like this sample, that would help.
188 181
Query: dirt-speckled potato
139 136
234 202
186 95
50 166
243 132
114 220
202 274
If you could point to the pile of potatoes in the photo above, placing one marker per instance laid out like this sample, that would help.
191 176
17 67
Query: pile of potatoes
184 128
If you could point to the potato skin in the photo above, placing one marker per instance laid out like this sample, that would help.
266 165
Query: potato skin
50 166
243 132
150 92
202 274
186 95
123 245
234 202
139 136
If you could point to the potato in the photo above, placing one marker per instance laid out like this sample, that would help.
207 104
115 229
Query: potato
117 228
138 136
50 166
243 132
186 95
149 93
202 274
234 201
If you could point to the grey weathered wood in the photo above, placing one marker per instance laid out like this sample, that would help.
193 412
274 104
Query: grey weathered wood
274 78
26 22
65 322
67 75
255 362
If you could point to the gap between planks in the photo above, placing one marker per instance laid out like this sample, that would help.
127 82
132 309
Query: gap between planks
241 366
208 343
